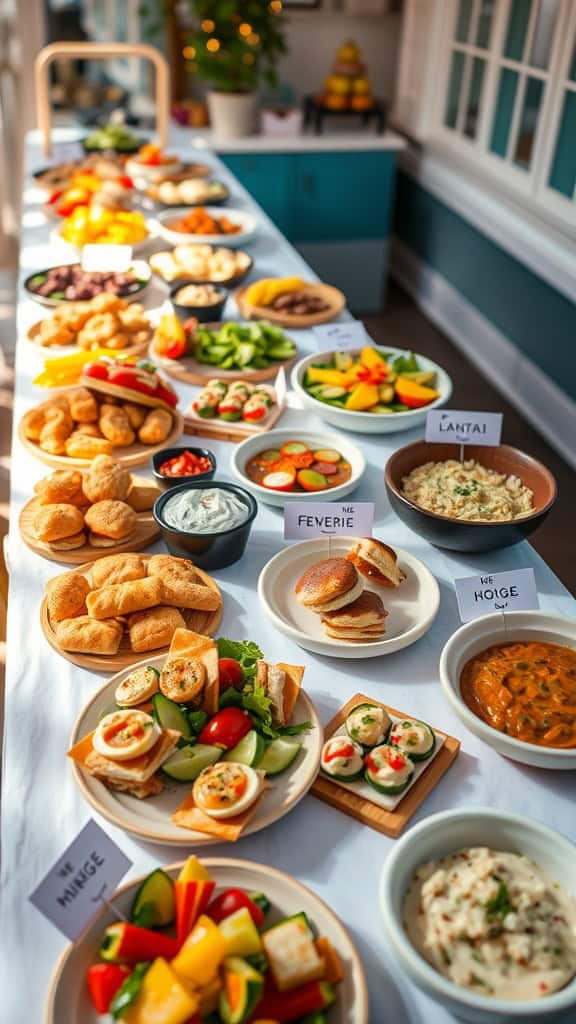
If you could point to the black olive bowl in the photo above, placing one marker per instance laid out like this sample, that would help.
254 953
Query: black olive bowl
204 314
207 550
170 482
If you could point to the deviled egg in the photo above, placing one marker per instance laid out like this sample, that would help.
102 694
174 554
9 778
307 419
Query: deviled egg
124 735
413 738
368 724
225 789
342 759
388 770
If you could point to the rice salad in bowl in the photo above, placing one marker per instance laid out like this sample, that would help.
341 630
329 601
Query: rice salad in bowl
469 491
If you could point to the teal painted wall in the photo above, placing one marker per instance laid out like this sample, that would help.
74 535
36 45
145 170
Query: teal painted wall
536 318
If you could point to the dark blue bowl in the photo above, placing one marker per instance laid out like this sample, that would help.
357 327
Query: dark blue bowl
169 482
207 550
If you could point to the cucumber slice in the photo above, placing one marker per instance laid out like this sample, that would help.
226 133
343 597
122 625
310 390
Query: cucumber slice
153 905
279 755
248 751
387 790
185 765
170 715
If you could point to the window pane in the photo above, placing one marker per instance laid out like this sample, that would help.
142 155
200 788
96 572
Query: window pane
544 33
517 28
474 98
528 123
484 27
504 111
563 173
451 114
463 20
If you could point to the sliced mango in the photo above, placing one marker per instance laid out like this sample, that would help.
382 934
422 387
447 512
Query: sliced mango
371 358
321 375
415 396
362 397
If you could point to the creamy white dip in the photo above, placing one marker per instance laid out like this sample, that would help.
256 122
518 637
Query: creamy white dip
211 510
493 923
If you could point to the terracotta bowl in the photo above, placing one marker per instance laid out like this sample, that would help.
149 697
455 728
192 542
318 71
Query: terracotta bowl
459 535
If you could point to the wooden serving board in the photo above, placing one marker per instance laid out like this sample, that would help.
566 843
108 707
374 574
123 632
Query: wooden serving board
189 371
133 455
147 530
221 430
201 622
335 299
391 823
65 350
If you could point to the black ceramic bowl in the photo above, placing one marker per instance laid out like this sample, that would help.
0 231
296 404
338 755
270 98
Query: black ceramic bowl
204 314
169 482
464 535
207 550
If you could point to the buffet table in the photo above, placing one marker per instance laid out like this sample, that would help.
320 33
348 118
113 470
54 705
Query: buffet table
334 855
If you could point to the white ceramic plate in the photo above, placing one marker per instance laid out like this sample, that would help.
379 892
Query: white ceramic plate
411 607
476 636
247 222
368 422
139 268
68 1001
275 439
151 818
76 250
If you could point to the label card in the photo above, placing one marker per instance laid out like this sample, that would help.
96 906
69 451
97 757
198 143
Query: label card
280 387
335 337
511 591
304 520
84 876
113 258
447 425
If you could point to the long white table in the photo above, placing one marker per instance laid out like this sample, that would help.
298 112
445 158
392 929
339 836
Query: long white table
337 857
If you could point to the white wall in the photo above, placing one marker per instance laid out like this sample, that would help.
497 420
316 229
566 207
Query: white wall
314 36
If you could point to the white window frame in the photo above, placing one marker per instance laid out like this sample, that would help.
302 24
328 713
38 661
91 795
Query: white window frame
530 185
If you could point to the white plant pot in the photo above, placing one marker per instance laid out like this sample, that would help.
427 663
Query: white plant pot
232 114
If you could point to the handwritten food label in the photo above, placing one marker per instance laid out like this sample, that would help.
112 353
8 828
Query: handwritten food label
64 151
499 592
113 258
304 520
335 337
85 876
464 427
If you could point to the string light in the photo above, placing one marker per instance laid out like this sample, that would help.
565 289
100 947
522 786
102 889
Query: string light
245 29
276 6
208 25
189 52
253 39
213 45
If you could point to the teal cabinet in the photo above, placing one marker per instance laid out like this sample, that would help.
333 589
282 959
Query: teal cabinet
269 178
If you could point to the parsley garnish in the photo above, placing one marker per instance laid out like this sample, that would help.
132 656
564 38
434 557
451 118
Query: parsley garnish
500 904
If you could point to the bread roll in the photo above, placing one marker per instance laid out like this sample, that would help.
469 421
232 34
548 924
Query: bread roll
189 595
117 569
88 636
154 628
123 598
53 522
167 566
77 540
106 479
64 485
66 596
113 519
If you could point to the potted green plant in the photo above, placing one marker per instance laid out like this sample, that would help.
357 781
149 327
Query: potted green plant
234 46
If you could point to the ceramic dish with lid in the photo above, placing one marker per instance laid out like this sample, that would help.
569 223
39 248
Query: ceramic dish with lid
469 535
476 636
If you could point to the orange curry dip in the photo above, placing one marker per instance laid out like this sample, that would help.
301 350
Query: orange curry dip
526 690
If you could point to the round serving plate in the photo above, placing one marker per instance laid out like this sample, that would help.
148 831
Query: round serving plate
190 371
334 298
245 451
150 819
147 530
139 268
216 200
198 621
411 607
247 222
190 277
66 350
68 1002
132 455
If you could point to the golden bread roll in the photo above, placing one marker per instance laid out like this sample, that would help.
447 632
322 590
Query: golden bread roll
135 413
141 496
123 598
195 596
115 425
33 422
328 585
113 519
156 427
170 567
106 479
154 628
83 405
117 569
66 596
82 446
89 636
64 485
53 522
78 540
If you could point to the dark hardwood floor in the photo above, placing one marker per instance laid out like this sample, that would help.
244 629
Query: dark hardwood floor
402 324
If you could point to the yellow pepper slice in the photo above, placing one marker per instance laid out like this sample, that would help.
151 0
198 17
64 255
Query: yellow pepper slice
162 998
201 954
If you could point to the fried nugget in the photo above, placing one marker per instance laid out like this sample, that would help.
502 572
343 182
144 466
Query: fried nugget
134 318
115 425
118 341
81 446
32 423
54 333
114 519
106 302
135 413
73 315
156 427
83 405
89 429
66 596
106 479
53 522
64 485
57 428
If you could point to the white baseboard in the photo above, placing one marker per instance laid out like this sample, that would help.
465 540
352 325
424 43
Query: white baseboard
523 383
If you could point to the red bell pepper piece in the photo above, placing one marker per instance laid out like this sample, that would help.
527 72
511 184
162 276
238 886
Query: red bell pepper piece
103 982
130 944
290 1006
191 898
99 371
231 900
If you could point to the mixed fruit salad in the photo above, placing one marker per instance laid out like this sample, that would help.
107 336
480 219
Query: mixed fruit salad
372 381
297 466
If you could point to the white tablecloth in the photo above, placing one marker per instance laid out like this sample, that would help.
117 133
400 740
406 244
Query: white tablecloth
333 854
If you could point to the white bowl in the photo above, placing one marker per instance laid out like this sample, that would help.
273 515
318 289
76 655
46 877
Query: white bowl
445 833
476 636
368 422
148 173
275 439
247 222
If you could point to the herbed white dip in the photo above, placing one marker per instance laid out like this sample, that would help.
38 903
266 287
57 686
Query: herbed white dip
493 923
211 510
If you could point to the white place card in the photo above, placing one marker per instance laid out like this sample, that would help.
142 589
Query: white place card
280 387
304 520
85 876
514 590
445 425
113 258
335 337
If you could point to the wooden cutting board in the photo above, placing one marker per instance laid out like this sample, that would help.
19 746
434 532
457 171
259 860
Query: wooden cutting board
335 302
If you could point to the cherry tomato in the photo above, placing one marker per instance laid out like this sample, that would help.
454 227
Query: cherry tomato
229 673
231 900
226 729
